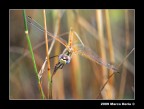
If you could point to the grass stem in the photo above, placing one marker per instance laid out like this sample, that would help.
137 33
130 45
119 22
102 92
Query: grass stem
111 51
32 54
48 62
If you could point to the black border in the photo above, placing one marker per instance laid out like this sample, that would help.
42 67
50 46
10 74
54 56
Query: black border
19 4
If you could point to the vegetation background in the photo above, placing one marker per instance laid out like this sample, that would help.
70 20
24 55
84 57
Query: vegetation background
109 33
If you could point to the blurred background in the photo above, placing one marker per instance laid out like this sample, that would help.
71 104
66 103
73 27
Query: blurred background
108 33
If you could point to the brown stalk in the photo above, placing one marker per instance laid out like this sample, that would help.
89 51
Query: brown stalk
105 92
48 62
111 52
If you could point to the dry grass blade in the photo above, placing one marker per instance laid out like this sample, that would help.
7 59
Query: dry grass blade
102 50
48 62
111 52
79 38
42 69
57 28
126 58
104 85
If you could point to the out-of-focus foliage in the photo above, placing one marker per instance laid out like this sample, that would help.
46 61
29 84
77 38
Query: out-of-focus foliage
82 78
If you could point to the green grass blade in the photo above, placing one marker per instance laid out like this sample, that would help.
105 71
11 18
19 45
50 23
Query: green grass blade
31 52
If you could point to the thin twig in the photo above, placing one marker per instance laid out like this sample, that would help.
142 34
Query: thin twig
126 57
104 85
